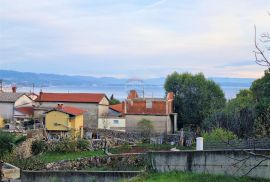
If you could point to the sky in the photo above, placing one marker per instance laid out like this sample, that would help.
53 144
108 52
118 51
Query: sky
132 38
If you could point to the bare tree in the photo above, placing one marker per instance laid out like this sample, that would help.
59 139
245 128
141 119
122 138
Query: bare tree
261 48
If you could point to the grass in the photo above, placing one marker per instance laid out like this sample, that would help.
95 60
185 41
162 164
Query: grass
146 147
55 156
163 146
191 177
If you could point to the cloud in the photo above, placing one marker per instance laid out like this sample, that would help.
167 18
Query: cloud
149 38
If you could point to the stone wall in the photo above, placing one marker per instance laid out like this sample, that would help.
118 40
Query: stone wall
226 162
112 162
71 176
130 137
24 150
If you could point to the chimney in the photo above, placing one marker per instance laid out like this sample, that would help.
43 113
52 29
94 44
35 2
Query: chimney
60 106
14 89
170 96
133 94
123 108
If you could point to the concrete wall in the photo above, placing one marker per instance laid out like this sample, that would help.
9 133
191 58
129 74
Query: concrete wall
108 123
161 124
226 162
6 110
71 176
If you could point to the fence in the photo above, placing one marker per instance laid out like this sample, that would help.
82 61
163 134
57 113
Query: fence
263 143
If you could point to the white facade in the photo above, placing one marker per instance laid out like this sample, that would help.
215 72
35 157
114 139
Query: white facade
7 109
113 123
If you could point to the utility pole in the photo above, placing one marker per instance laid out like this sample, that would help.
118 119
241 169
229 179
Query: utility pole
1 85
33 88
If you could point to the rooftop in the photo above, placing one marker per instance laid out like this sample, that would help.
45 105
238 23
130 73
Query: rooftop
69 110
10 96
71 97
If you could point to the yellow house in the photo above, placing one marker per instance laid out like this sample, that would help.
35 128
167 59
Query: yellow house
64 121
2 124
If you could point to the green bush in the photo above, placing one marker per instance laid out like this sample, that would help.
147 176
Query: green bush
31 163
83 145
8 141
218 134
38 146
65 145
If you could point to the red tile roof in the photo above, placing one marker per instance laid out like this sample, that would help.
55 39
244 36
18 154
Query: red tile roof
69 110
139 107
156 106
71 97
117 107
25 110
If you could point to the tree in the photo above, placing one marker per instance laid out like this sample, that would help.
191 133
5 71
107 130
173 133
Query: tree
260 53
7 142
113 101
195 97
146 127
237 116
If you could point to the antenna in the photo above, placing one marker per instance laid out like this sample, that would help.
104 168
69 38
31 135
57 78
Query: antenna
135 84
33 88
1 85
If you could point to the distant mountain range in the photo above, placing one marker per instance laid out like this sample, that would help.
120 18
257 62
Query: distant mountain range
45 80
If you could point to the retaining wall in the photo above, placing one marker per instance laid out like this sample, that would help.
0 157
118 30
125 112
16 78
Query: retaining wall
227 162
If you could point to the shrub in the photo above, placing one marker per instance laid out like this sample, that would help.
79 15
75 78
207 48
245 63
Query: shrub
146 128
83 145
219 134
64 145
31 163
38 146
8 141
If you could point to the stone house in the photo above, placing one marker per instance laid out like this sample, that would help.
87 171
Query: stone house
158 110
95 104
64 121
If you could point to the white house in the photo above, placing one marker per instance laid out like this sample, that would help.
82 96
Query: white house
114 120
10 101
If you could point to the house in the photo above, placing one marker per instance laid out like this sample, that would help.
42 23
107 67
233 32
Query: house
23 113
2 123
10 101
95 105
158 110
64 121
114 120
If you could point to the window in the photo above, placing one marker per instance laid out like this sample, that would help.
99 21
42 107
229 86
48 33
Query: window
115 121
148 104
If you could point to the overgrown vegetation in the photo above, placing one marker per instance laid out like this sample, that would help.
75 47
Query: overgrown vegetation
218 135
146 128
58 156
61 146
200 103
8 141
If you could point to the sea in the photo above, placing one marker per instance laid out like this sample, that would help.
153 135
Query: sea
121 91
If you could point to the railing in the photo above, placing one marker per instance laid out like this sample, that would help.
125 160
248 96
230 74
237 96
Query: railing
263 143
